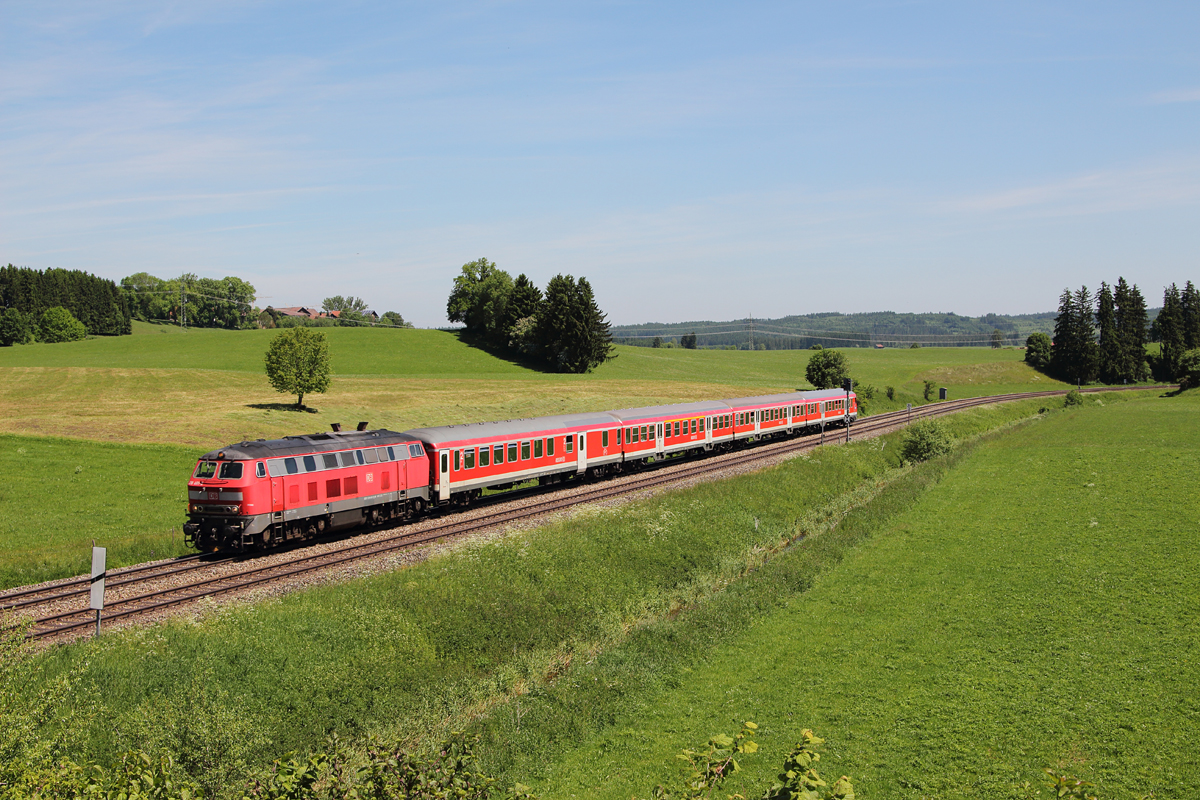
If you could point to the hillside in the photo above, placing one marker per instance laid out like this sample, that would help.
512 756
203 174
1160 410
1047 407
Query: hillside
845 330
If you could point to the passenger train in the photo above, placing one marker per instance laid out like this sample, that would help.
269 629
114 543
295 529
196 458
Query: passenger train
257 494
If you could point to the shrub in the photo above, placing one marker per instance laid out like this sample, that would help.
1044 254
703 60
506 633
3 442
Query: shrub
827 369
891 392
1073 398
59 325
1188 374
929 385
926 439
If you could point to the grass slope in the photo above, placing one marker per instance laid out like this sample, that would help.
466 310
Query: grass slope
59 494
1035 609
488 630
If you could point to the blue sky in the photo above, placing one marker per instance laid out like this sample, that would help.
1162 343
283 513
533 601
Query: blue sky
693 160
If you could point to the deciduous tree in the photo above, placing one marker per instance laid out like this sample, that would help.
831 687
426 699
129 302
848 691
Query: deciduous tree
827 369
1037 351
297 362
59 325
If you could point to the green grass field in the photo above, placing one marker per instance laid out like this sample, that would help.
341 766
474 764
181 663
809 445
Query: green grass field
951 629
200 389
1037 608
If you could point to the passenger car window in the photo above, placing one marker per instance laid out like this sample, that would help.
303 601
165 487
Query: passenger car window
537 448
469 459
604 438
231 470
524 451
498 454
570 444
512 452
550 446
457 460
485 457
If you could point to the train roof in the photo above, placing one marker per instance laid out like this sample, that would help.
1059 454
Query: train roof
511 428
310 443
824 394
764 399
673 409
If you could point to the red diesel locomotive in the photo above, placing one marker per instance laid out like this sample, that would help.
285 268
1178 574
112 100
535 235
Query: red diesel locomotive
256 494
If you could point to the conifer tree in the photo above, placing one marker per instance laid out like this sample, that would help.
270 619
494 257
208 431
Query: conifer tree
1111 346
1131 328
1169 328
1190 306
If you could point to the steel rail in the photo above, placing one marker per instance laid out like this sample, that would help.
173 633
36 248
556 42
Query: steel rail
354 552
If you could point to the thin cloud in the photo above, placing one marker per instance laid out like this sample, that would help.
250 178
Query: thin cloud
1176 96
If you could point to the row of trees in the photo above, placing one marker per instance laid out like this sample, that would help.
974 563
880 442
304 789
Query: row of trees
562 328
95 302
1103 337
196 302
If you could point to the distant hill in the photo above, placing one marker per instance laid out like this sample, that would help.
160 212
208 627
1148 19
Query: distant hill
885 328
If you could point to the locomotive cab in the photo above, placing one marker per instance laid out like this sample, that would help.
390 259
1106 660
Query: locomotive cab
224 501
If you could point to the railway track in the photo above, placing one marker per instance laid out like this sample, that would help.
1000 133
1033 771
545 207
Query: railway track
192 578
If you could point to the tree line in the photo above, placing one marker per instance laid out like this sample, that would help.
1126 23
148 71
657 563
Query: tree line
1103 337
192 301
58 303
561 328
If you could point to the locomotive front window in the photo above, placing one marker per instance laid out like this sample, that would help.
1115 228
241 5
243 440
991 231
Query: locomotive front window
231 470
260 470
206 469
415 451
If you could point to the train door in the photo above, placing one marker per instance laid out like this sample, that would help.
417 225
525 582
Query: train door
443 457
757 421
276 494
580 452
708 421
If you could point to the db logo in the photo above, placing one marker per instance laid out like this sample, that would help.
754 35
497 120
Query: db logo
370 477
213 495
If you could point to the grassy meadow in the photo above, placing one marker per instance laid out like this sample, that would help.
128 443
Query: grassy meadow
951 629
199 389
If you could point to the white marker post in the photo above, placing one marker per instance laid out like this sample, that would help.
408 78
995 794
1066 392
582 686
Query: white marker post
99 556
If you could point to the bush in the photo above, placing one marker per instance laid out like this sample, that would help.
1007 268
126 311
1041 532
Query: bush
827 369
929 386
14 327
59 325
1073 398
1188 374
926 439
1037 351
891 392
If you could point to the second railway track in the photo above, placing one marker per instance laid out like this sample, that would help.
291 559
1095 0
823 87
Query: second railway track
145 590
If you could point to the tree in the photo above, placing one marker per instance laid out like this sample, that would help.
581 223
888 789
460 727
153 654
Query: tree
339 303
1075 352
997 339
688 341
1168 327
657 342
14 327
1130 321
394 319
1190 308
59 325
297 363
571 332
827 369
926 439
1189 369
479 300
1037 351
1110 347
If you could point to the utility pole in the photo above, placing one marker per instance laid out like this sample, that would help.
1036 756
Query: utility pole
751 331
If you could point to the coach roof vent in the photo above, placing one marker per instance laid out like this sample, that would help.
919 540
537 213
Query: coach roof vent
337 427
362 426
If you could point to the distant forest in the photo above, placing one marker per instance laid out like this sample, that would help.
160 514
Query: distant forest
884 328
